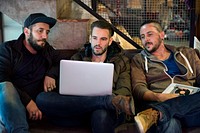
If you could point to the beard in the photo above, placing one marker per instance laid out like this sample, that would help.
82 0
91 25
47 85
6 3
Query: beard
34 44
155 47
99 53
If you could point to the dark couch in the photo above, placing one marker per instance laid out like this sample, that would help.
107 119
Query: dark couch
44 126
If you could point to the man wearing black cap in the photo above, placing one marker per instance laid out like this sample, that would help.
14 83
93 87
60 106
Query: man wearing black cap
28 66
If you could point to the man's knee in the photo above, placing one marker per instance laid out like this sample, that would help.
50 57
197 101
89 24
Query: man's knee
172 126
7 87
100 115
2 128
43 100
7 91
101 119
41 97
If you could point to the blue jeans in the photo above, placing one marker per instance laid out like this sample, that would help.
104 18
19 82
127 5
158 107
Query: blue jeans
12 112
71 110
183 110
2 128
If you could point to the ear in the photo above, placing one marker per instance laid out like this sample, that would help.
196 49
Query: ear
110 41
26 31
162 35
90 37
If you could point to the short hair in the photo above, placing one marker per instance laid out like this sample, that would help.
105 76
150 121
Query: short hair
103 25
156 24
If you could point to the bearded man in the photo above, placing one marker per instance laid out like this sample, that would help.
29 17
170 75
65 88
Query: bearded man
28 66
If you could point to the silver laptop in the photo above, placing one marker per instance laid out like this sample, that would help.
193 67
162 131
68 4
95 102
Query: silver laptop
83 78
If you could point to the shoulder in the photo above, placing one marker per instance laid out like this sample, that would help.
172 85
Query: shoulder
138 57
183 49
119 57
7 45
187 50
78 56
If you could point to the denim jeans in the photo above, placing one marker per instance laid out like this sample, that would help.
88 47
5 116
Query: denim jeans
12 112
183 110
72 109
2 128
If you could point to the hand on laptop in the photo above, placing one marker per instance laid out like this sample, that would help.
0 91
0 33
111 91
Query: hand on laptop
49 84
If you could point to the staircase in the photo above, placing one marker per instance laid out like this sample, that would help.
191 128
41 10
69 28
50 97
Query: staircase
75 16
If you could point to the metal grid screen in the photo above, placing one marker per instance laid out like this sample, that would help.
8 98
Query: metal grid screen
127 15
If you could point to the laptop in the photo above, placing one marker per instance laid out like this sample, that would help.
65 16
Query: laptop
83 78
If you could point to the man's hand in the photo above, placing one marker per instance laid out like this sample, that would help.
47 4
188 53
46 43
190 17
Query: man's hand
159 97
34 112
49 83
163 97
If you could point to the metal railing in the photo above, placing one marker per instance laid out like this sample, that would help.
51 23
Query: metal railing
177 20
95 14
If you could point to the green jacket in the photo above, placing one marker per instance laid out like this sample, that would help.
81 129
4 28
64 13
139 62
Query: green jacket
148 73
121 79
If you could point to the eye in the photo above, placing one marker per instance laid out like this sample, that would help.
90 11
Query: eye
39 30
94 37
149 34
48 32
142 37
103 38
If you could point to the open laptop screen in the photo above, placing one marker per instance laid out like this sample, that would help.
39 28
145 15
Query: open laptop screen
83 78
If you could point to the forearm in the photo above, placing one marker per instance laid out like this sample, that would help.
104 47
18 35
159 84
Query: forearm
158 97
25 98
151 96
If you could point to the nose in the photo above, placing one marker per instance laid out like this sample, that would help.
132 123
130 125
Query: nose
146 39
98 41
44 35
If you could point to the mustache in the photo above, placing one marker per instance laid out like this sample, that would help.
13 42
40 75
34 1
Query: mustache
148 43
43 40
97 46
